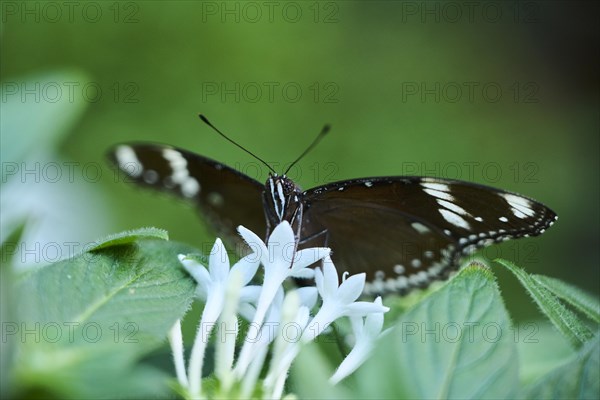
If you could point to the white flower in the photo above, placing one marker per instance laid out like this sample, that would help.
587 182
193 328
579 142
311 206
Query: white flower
281 261
367 331
212 285
338 300
280 322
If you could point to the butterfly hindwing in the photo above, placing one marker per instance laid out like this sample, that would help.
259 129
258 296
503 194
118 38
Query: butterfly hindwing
226 197
406 231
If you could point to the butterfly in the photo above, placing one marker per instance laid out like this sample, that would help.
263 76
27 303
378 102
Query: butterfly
403 231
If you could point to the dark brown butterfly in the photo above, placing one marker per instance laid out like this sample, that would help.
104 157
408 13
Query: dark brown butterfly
403 231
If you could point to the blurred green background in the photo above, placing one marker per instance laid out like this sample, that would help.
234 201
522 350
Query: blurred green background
500 93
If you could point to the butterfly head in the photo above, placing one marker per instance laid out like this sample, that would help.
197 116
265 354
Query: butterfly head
282 199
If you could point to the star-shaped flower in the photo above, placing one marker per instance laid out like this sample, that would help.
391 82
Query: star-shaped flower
280 323
338 300
212 285
281 261
367 330
212 282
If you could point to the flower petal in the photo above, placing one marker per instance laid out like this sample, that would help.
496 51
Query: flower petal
374 321
330 278
282 245
282 234
197 271
218 262
309 256
254 242
247 267
351 288
362 308
353 360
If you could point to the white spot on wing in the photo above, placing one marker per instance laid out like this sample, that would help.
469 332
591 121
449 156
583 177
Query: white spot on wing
399 269
215 199
454 219
150 176
419 227
520 206
469 249
190 187
452 207
436 186
390 284
435 269
181 176
128 161
439 194
401 282
368 184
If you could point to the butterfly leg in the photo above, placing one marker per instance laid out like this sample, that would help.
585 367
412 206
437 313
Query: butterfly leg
324 235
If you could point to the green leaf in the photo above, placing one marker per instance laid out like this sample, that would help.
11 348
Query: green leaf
534 339
579 299
577 379
102 371
128 237
137 289
83 323
310 376
562 318
457 343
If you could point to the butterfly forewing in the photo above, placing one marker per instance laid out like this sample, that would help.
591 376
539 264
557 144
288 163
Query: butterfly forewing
405 232
226 197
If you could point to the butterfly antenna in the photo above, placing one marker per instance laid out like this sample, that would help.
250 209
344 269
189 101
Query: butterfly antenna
320 136
207 122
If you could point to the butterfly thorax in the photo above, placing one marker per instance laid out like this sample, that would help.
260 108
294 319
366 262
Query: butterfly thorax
282 200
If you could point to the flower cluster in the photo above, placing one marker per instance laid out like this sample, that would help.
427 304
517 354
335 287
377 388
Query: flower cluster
279 321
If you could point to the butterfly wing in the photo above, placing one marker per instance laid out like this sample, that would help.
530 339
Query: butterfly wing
226 197
407 231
